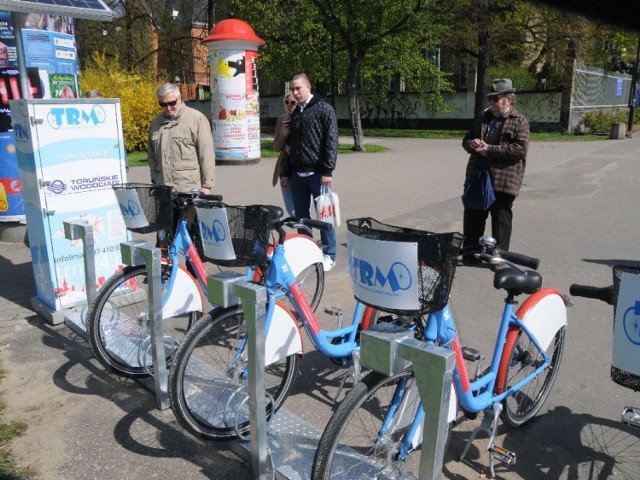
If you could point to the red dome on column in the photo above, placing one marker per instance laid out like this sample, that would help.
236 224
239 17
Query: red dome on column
233 29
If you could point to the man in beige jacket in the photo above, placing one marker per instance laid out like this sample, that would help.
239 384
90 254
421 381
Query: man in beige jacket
180 145
180 149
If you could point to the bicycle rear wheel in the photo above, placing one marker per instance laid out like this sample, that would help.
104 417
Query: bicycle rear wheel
360 442
524 357
208 380
118 324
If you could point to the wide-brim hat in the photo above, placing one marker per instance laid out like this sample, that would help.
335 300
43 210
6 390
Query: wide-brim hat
501 86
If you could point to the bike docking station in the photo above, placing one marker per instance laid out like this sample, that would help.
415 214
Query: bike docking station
284 445
134 252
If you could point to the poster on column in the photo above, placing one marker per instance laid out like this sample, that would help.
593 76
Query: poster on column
234 95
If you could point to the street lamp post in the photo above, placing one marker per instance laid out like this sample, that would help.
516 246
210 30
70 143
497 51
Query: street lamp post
632 93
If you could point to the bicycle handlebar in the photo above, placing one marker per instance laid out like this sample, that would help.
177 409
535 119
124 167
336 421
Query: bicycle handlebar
489 252
214 198
604 294
519 258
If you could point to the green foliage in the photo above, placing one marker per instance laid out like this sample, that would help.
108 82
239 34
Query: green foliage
600 122
522 79
136 91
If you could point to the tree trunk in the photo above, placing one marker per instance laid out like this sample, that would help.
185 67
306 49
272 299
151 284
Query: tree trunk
484 57
354 103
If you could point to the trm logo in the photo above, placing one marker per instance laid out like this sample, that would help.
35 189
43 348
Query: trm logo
130 210
76 117
397 277
215 233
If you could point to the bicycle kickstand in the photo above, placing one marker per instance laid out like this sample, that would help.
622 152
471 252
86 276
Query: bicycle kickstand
489 425
631 416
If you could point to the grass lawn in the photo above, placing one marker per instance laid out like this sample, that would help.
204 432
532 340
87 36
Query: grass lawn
138 159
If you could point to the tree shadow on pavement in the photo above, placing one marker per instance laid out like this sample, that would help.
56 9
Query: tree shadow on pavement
125 421
557 445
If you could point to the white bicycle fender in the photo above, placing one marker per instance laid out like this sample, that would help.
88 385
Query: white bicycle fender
544 316
300 252
185 297
283 338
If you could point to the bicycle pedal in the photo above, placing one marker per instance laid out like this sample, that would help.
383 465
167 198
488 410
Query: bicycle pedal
333 311
470 354
631 416
503 455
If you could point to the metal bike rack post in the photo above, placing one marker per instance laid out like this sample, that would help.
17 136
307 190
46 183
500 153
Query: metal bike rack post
138 253
389 349
81 230
228 289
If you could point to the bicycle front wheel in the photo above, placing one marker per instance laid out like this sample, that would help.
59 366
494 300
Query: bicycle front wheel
524 358
311 281
118 324
366 434
208 383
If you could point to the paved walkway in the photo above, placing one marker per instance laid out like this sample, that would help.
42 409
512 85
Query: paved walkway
578 212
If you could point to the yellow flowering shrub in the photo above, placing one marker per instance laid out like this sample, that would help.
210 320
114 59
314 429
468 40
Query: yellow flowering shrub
136 91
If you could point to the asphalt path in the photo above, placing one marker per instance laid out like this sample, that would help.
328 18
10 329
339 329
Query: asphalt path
578 212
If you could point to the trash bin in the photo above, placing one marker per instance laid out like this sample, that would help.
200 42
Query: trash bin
617 130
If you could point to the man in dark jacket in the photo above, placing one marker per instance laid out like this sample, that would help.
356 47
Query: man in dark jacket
313 152
498 140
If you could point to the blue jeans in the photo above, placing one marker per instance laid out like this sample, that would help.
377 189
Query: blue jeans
287 196
303 189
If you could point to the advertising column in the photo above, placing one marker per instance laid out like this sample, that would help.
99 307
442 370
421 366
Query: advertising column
70 153
235 113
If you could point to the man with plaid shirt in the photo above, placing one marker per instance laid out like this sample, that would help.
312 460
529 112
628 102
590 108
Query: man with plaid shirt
497 141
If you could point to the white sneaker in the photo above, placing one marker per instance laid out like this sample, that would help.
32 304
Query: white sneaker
328 263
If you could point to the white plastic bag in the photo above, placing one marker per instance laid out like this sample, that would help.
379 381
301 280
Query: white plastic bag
328 206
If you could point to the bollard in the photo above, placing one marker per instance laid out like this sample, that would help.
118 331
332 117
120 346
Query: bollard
81 230
138 253
227 289
389 349
254 299
433 368
617 131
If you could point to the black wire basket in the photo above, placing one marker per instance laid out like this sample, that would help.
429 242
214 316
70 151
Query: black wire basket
619 376
155 201
437 261
248 227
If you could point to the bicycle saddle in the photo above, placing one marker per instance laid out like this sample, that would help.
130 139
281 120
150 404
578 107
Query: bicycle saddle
519 282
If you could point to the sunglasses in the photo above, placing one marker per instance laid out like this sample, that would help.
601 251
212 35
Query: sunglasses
168 104
290 102
496 98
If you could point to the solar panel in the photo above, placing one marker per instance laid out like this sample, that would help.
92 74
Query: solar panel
89 9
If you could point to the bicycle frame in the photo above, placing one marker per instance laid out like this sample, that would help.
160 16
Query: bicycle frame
191 293
473 396
301 255
281 281
182 242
